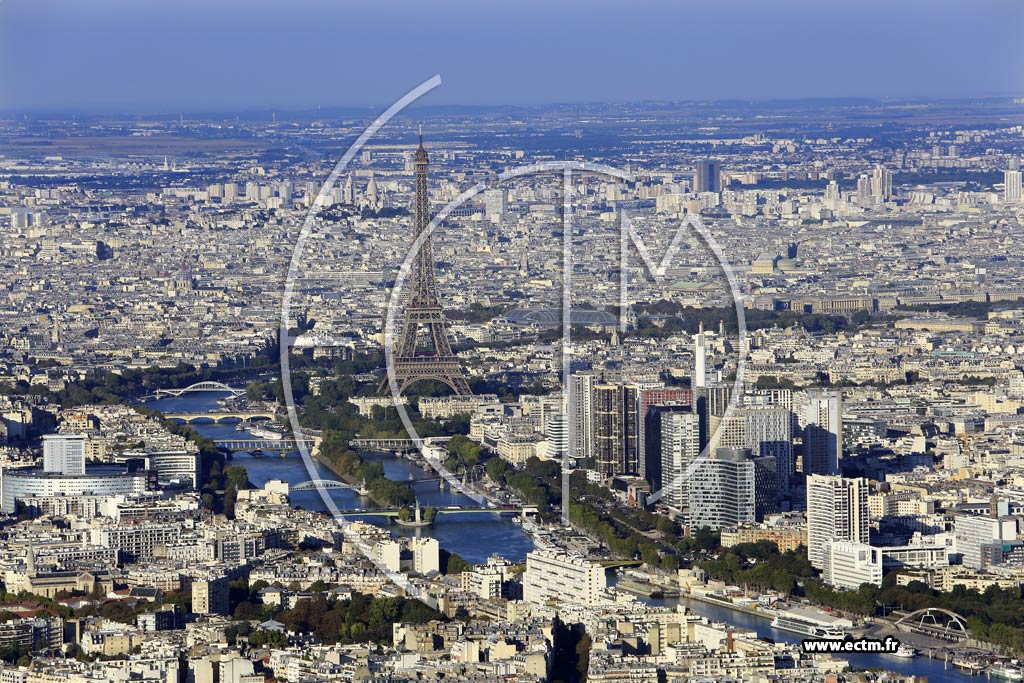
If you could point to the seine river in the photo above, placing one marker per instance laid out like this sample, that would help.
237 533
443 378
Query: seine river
477 536
472 536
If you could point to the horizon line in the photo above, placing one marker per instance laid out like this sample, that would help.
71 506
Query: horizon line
99 111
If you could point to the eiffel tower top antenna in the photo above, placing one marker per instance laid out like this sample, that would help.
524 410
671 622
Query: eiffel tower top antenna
421 135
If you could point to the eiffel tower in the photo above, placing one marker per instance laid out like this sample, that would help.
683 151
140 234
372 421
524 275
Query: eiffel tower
432 360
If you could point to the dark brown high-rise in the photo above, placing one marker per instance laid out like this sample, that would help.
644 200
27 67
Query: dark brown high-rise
426 356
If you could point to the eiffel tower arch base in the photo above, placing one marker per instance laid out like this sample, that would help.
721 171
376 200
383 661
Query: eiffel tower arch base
448 374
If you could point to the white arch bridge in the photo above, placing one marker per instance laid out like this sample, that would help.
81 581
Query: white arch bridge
198 387
936 623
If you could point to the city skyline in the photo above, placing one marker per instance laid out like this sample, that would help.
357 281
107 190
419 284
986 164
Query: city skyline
713 371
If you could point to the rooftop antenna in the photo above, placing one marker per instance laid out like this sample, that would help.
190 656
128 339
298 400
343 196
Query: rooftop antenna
421 135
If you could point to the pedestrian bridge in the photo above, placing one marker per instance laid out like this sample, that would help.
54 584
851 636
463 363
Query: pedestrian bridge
937 623
198 387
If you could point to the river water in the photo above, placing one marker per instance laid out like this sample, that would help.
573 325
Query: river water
477 536
934 669
473 536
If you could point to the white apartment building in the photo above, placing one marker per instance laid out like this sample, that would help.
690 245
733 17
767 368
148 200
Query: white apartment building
170 466
721 490
971 532
680 446
554 576
581 418
837 510
917 556
138 541
420 555
1012 186
848 564
210 595
64 454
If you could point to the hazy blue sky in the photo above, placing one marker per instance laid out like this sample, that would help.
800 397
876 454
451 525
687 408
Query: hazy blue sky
163 55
